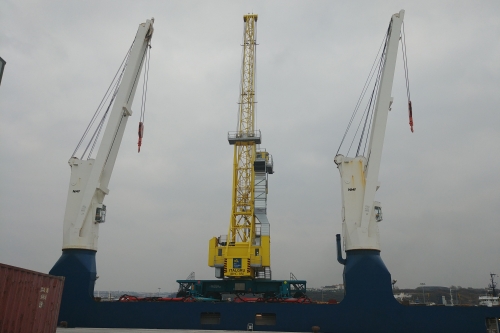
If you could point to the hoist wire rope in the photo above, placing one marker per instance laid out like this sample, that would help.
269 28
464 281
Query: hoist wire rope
137 74
363 92
375 69
405 61
101 124
373 101
368 112
98 111
371 112
114 138
97 132
99 107
376 88
357 130
369 79
95 136
145 83
407 79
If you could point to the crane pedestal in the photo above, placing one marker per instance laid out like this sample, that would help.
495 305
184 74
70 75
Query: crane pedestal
79 269
367 279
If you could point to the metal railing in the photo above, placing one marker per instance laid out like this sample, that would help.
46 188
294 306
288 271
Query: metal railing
238 136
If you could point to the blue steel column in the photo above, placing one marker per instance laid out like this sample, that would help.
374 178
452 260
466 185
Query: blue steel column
366 279
79 269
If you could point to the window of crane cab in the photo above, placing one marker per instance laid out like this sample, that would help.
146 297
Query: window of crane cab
378 213
265 319
219 252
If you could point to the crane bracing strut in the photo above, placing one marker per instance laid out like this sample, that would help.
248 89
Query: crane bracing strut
245 251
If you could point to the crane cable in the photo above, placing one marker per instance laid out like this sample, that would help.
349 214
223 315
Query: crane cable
99 128
128 100
369 113
111 91
144 95
405 62
374 69
372 101
370 110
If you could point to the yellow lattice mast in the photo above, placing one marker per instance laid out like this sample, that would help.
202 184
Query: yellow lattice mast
245 251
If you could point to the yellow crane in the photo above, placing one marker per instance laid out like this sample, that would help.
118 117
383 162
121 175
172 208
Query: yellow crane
245 251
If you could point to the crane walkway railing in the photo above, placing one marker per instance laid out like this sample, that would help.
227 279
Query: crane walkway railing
239 136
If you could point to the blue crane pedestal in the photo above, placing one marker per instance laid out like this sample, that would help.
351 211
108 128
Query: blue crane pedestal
372 306
366 279
79 269
368 306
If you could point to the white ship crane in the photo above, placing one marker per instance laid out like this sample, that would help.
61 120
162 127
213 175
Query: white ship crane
90 177
359 174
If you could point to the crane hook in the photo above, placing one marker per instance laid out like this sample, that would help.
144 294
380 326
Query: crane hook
140 132
410 114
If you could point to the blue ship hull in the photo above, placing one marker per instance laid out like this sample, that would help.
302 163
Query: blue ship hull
368 306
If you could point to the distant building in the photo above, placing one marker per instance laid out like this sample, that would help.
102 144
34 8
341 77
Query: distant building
333 287
402 296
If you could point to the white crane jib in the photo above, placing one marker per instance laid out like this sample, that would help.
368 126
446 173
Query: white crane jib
359 175
90 178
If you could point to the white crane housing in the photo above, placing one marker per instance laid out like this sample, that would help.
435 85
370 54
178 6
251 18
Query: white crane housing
90 178
359 175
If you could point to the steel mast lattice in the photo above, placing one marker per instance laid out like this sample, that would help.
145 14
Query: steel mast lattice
245 251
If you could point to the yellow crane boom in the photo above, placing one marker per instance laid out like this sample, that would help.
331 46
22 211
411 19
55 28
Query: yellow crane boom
245 251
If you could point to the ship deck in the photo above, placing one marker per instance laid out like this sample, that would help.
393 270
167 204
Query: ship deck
133 330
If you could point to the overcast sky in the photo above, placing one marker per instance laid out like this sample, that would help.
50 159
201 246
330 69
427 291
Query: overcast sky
440 186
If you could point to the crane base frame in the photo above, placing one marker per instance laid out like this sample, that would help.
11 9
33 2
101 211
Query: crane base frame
267 288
